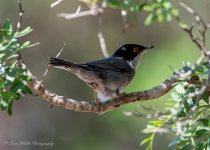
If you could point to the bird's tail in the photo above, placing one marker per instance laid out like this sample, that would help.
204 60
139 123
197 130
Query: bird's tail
62 64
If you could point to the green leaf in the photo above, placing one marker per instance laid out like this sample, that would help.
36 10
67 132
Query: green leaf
24 77
202 145
9 109
156 123
187 106
27 90
167 5
180 89
206 122
180 112
150 19
160 15
205 72
2 55
7 96
186 68
169 17
23 32
13 65
148 139
187 147
5 100
199 69
150 7
25 44
3 83
20 70
3 104
7 28
202 132
175 96
12 56
205 97
206 64
17 86
114 4
175 12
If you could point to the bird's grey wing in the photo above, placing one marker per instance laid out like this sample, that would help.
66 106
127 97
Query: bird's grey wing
109 64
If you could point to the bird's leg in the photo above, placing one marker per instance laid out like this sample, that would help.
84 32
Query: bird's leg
120 95
95 96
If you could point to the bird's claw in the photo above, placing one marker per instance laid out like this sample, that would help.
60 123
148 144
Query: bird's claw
121 95
98 106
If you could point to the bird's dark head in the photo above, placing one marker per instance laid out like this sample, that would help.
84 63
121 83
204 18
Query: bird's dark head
131 53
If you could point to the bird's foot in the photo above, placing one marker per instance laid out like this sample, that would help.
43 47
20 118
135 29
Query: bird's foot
98 104
121 95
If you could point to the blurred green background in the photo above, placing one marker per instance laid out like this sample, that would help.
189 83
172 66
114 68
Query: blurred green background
33 120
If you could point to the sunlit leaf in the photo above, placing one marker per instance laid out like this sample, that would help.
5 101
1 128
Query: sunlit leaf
23 32
2 55
26 44
148 139
150 19
156 122
180 89
175 96
7 28
3 83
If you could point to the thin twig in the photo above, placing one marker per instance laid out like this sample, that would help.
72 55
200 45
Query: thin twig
202 32
21 11
200 22
56 3
94 11
189 31
32 96
48 68
101 37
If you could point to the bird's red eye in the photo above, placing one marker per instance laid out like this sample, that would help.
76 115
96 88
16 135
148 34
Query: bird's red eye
135 49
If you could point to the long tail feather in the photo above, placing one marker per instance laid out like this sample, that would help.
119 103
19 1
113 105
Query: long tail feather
62 64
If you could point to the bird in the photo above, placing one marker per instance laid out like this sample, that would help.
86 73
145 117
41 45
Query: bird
107 76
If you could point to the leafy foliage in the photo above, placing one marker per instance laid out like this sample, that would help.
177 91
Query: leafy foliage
160 10
13 80
187 116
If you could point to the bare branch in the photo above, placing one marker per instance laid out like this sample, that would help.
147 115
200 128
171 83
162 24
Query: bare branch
200 22
101 37
56 3
20 15
94 10
194 40
85 106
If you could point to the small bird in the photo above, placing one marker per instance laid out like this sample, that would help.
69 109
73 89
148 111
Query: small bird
106 76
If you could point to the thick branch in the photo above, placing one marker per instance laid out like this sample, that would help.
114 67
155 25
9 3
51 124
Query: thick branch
85 106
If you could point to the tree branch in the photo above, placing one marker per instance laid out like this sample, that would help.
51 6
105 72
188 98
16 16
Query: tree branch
84 106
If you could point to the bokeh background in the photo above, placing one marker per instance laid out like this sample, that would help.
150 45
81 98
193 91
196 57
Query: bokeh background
33 120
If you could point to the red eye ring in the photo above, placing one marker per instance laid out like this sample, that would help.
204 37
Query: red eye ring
135 49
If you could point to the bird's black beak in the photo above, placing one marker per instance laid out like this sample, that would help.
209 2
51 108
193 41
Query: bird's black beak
148 47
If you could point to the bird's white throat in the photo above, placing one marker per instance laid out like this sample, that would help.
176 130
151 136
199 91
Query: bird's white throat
134 63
